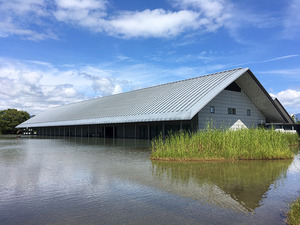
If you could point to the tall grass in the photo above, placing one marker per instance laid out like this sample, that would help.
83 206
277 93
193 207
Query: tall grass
217 144
294 213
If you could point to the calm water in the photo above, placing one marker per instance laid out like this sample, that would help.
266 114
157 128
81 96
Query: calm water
96 181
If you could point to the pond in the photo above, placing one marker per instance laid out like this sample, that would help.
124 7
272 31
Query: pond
106 181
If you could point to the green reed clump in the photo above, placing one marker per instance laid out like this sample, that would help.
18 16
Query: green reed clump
221 144
294 213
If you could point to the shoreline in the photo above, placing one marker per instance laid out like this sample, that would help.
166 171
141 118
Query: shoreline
213 160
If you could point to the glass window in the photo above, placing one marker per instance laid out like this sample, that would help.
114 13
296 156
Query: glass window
248 112
212 109
232 111
229 110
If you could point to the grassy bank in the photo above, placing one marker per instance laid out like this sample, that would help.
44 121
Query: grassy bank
214 144
294 213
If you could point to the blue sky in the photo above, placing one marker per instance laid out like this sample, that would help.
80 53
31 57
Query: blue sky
61 51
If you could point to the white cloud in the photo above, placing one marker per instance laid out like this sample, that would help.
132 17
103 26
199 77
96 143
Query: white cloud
8 27
107 86
36 86
212 14
147 23
22 7
22 17
18 17
292 20
81 4
87 13
290 99
30 78
215 11
152 23
35 19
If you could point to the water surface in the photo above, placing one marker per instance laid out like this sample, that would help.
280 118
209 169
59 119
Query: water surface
97 181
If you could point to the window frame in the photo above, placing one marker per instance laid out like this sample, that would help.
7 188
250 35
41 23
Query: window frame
212 109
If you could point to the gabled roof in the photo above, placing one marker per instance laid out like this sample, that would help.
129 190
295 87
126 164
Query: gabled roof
284 112
180 100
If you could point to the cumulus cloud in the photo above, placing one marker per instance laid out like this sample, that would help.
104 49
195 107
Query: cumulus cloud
213 13
146 23
81 4
152 23
206 15
290 99
35 19
85 13
107 86
203 15
36 86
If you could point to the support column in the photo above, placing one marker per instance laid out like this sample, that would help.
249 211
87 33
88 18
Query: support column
123 131
104 135
113 131
163 130
148 131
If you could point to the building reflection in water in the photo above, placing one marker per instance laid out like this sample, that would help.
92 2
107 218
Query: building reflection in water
239 185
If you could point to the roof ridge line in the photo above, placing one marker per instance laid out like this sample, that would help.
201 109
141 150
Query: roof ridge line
192 78
173 82
159 85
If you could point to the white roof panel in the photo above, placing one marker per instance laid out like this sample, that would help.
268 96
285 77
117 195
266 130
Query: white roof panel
172 101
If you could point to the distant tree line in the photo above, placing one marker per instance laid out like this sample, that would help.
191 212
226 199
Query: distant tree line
296 120
10 118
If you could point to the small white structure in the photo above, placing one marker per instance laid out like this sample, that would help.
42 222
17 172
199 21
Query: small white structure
238 125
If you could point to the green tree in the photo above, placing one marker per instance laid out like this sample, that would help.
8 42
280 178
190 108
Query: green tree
10 118
296 120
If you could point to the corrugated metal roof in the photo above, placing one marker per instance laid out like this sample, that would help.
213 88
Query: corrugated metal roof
172 101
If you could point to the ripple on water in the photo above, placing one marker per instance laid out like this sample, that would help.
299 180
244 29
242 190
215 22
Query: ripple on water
92 181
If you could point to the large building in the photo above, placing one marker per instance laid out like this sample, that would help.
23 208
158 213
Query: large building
229 99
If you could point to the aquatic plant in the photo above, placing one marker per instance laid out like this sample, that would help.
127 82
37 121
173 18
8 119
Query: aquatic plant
218 144
294 213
